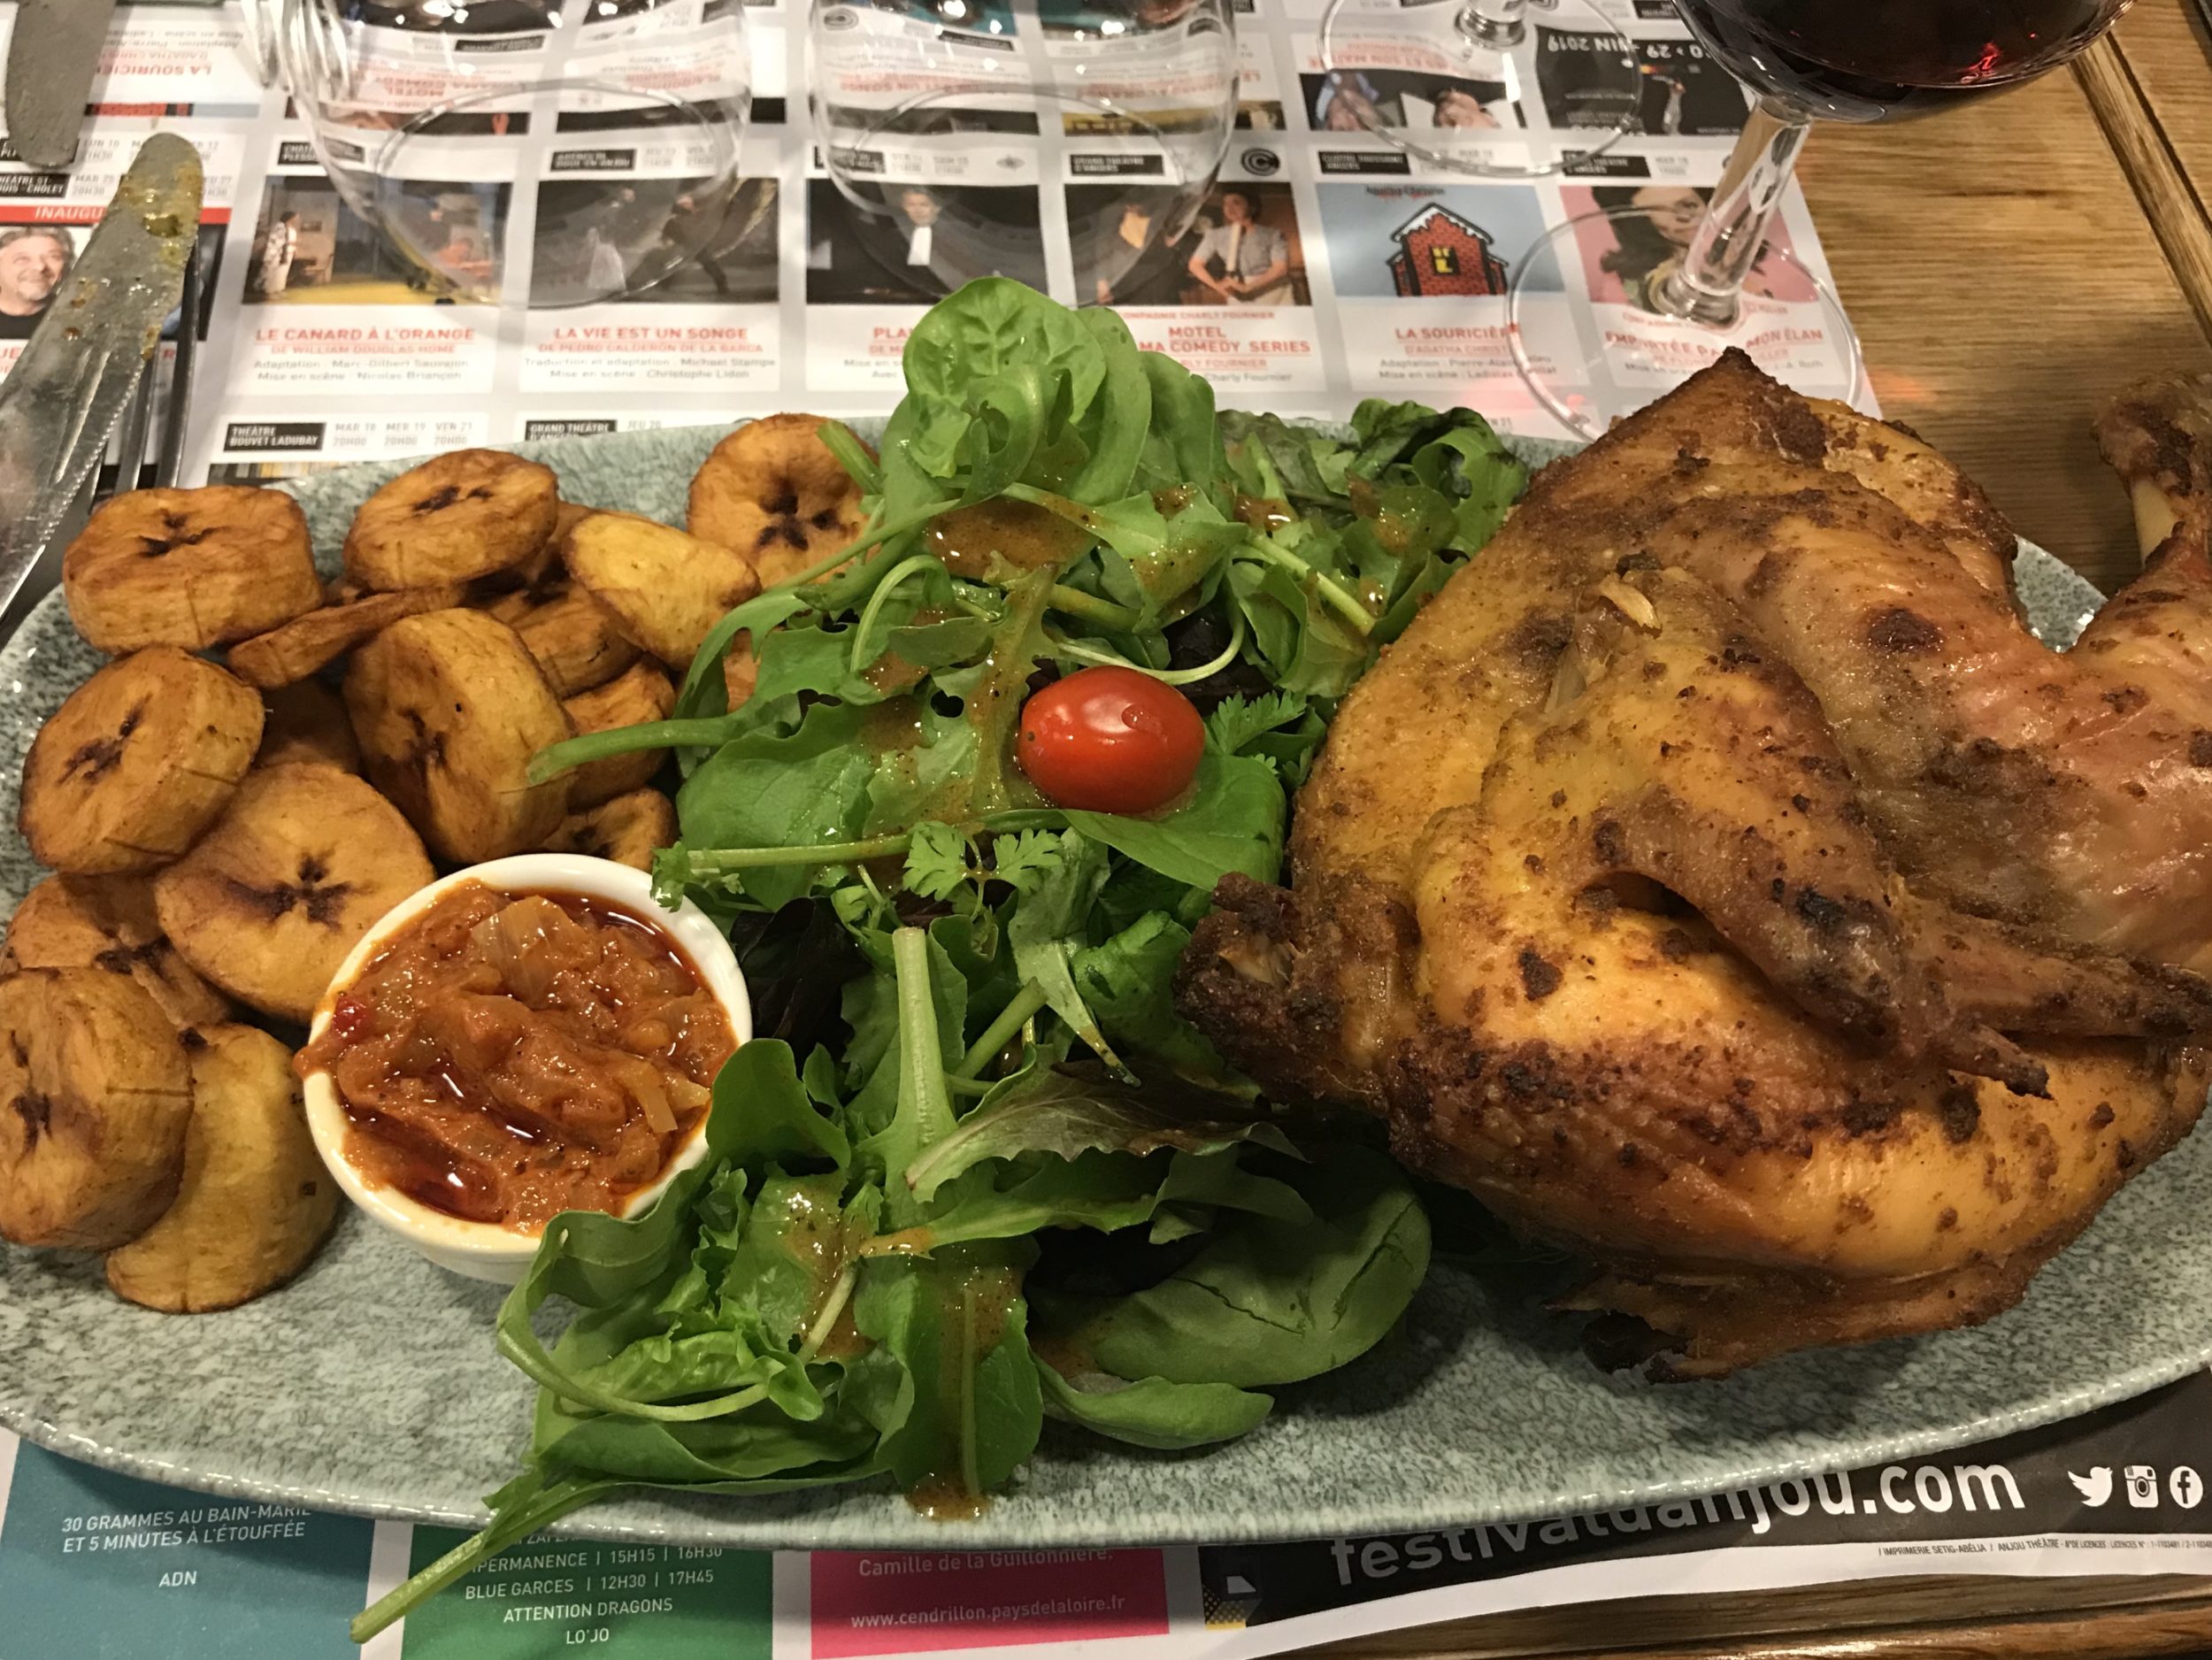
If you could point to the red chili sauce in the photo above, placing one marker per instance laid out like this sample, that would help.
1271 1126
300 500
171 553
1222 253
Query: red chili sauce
510 1056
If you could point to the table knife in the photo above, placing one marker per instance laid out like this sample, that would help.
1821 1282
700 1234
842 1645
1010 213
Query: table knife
51 57
60 402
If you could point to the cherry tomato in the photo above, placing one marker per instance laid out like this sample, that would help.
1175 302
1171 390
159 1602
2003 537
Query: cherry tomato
1110 740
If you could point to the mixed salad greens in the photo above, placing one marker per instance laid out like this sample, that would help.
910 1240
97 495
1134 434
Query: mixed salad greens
974 1171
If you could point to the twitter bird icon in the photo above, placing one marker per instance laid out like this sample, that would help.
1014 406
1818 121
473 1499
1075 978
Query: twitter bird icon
2095 1487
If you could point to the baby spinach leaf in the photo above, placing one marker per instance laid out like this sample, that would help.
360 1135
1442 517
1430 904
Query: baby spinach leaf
1184 446
765 1451
991 325
788 1258
1105 1191
1270 1301
1232 822
1153 1412
956 1323
767 789
1122 415
767 1118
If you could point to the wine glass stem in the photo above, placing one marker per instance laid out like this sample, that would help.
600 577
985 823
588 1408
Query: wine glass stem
1493 25
1707 286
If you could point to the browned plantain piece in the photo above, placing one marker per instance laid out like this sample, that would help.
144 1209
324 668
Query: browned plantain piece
459 516
644 693
254 1200
190 568
666 590
312 643
449 709
109 923
773 491
275 895
94 1096
136 763
629 829
306 721
575 643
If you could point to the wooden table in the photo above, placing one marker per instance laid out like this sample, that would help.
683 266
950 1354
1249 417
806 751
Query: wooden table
2003 264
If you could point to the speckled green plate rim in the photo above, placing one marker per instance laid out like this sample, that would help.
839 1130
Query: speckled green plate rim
371 1385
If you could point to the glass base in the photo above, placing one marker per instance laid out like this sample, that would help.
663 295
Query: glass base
1132 236
1591 335
595 239
1444 82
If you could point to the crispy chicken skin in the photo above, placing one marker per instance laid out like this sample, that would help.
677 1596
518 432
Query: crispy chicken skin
1720 882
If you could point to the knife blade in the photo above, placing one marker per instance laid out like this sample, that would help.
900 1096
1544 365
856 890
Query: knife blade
59 403
51 57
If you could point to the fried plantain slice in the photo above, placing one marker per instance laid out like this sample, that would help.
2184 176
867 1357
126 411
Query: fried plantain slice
109 923
629 829
664 589
93 1098
306 721
253 1200
136 763
575 643
773 491
310 643
190 568
275 895
461 515
644 692
449 707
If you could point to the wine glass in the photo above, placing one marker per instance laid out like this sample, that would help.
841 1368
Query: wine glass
1449 82
958 137
1728 277
600 135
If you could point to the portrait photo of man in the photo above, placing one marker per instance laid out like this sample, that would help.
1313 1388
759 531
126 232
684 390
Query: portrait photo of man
34 259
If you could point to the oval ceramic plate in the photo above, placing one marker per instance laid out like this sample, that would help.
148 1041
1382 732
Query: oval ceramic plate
370 1384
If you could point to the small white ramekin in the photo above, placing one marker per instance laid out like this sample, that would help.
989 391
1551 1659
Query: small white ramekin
486 1250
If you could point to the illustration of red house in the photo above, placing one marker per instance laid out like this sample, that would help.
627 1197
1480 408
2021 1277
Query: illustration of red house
1438 252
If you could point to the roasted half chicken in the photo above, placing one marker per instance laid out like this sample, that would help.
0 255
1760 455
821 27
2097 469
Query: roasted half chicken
1720 881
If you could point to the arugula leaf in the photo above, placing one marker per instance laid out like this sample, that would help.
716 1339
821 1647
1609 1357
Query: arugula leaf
1270 1301
928 1045
1153 1412
1128 980
1232 822
1472 464
1061 1114
1047 925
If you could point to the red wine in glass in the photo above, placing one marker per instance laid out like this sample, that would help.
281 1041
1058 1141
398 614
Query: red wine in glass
1884 60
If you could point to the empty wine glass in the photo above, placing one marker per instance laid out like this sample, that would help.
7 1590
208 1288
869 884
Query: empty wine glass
953 136
1450 83
438 123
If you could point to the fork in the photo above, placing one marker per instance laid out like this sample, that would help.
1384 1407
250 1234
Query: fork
131 453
